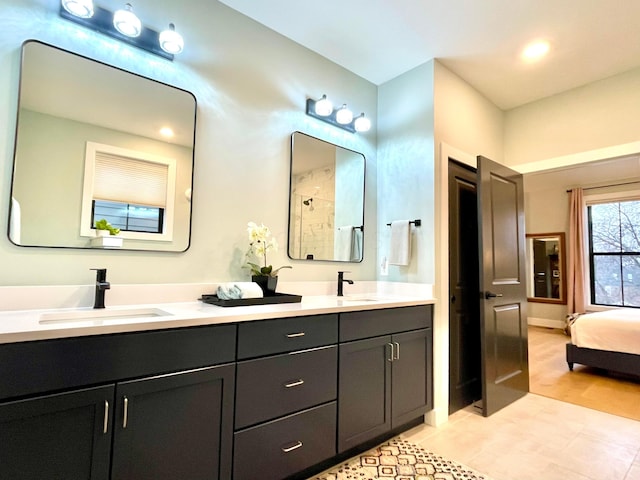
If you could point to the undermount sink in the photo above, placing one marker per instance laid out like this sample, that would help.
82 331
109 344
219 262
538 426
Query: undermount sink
100 315
348 298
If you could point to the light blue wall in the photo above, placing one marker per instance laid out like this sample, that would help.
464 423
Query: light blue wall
251 85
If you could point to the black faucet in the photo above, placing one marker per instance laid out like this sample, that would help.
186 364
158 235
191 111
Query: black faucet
101 286
341 281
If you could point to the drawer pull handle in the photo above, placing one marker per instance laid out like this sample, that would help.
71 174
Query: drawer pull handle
295 335
294 384
125 416
293 447
105 425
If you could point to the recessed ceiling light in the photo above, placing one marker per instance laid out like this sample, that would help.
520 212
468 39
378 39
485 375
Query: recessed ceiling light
166 132
536 50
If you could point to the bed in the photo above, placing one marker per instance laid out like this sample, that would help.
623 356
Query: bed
609 340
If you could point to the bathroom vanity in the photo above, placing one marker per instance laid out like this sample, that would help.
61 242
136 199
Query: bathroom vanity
231 393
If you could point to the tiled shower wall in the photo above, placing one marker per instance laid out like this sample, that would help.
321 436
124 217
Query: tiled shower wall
313 227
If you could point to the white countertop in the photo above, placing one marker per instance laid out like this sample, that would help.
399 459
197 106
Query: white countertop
28 325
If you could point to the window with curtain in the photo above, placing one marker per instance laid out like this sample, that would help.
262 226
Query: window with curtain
614 252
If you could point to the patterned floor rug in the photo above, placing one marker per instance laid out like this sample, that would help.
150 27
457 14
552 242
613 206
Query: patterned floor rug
399 459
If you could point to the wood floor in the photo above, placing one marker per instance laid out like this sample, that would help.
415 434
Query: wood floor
549 376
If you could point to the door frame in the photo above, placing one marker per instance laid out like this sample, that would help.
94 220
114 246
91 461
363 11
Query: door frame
440 413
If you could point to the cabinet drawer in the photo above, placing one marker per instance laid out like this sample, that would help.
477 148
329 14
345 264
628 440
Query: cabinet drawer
373 323
275 386
277 449
267 337
48 365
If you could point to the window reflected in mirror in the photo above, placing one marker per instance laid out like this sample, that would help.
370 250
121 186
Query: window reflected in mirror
546 281
75 114
326 206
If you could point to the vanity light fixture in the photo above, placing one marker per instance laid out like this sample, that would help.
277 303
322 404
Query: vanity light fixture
123 25
322 109
171 41
344 115
79 8
362 123
126 22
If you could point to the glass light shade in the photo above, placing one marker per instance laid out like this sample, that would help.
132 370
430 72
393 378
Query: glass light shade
344 115
79 8
362 124
171 41
324 107
126 22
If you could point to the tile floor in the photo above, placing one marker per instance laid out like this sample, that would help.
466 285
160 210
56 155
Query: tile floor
538 438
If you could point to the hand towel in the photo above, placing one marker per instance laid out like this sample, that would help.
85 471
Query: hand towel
14 222
356 247
343 243
238 290
400 245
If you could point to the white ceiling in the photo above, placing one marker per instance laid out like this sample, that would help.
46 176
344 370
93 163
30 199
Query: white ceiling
480 40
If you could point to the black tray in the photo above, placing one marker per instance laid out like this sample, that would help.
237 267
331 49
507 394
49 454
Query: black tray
241 302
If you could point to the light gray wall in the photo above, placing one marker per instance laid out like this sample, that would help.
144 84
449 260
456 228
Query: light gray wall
251 85
596 116
406 153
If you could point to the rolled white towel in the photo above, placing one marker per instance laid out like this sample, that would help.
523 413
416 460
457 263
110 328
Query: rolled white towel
238 290
249 290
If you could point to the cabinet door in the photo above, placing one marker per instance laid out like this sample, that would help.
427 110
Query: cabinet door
177 426
364 400
411 376
64 436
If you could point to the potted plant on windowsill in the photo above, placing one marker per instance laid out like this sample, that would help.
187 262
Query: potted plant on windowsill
104 228
106 235
260 243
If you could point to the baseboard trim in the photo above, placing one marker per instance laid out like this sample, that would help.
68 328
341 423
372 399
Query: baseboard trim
545 322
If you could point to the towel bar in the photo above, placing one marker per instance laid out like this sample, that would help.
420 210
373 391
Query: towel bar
416 222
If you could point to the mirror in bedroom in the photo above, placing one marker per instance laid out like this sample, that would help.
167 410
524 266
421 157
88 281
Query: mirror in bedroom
96 142
546 268
326 201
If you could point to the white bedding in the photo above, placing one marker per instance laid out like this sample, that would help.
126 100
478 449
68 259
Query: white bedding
615 330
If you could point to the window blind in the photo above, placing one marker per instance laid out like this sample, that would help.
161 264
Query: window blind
130 180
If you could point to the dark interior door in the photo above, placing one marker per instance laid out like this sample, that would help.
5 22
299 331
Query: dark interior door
505 369
465 385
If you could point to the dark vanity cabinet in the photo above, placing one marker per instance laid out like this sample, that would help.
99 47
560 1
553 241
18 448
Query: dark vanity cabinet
65 435
286 392
385 374
266 399
163 410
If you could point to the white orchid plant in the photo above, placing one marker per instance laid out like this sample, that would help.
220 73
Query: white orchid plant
260 243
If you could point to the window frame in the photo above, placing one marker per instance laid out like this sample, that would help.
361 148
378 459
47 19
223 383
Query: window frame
595 199
86 227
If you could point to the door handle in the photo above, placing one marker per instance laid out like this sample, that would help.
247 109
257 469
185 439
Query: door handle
489 295
391 354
